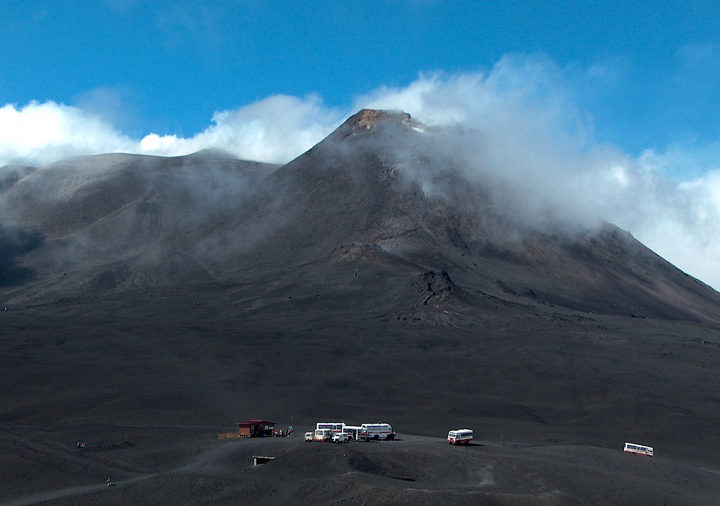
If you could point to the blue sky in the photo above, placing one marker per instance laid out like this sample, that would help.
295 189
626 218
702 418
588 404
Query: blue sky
167 66
623 96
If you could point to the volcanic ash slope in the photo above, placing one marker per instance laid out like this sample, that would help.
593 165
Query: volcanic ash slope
380 194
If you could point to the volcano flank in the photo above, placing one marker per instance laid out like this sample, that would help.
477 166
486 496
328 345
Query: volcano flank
158 300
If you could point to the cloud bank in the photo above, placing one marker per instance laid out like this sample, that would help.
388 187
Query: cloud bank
40 133
522 120
275 129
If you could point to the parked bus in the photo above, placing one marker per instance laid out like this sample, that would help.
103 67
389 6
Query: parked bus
336 427
378 431
639 449
323 435
460 436
355 432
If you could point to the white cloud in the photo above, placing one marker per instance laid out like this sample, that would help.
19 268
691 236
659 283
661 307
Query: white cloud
519 121
44 132
275 129
530 131
683 226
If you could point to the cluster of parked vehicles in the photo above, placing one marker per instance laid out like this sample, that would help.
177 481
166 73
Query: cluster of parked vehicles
338 432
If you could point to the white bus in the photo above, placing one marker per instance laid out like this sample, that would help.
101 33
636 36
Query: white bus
460 436
639 449
378 431
323 435
336 427
355 432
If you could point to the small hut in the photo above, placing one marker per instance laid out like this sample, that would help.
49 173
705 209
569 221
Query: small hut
256 428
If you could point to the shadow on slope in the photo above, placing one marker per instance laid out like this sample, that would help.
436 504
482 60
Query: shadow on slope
15 242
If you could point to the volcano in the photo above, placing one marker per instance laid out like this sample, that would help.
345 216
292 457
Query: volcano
114 223
370 278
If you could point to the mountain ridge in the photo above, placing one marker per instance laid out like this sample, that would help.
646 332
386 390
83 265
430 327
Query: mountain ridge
137 222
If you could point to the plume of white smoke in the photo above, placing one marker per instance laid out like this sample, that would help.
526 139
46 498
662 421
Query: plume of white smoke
520 123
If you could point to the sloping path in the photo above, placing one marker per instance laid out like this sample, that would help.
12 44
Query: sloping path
205 460
63 493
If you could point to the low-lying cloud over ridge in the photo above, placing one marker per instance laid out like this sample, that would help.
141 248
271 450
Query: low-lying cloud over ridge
521 120
275 129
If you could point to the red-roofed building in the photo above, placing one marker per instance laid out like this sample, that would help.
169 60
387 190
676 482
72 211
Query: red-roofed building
256 428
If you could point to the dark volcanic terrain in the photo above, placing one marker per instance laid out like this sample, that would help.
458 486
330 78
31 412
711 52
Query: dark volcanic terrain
149 303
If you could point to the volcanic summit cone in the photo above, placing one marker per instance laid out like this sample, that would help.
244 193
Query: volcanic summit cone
375 197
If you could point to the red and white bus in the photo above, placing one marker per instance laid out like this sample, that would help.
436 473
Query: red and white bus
460 436
639 449
378 431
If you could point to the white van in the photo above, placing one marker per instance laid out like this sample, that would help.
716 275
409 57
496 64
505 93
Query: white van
340 437
378 431
323 435
639 449
460 436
